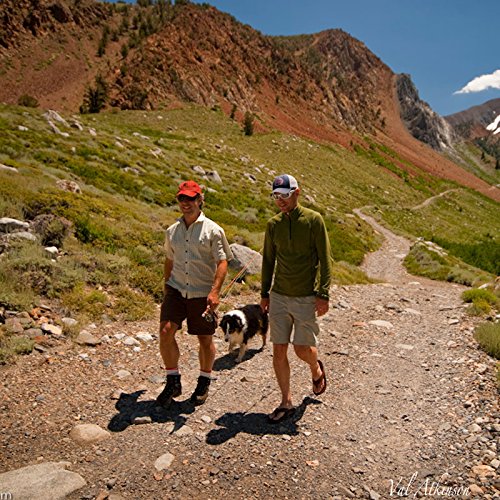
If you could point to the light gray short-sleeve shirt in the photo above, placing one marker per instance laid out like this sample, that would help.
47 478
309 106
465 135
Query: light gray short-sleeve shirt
195 252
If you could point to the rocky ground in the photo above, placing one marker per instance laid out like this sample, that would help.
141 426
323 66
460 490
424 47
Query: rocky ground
411 408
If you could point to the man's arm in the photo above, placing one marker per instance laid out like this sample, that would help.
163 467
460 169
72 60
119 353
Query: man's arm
325 267
220 274
167 271
268 263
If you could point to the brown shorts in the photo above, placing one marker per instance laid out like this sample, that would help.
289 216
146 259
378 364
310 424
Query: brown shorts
176 308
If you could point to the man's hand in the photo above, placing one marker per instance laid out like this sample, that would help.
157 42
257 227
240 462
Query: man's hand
213 300
264 305
321 306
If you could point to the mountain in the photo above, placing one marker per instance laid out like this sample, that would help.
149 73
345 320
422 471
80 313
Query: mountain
480 126
422 122
478 121
326 86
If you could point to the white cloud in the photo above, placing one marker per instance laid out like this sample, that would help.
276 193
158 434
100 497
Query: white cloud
483 82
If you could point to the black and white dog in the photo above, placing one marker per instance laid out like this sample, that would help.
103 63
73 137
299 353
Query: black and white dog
240 325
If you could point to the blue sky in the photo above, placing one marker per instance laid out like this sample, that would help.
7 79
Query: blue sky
442 44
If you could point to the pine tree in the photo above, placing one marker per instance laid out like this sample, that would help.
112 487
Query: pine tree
95 97
248 123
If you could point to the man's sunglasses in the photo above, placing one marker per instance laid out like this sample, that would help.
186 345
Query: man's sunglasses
282 196
183 197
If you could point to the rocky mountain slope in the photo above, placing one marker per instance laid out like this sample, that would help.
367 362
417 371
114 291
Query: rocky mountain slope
422 122
326 86
478 121
480 125
411 407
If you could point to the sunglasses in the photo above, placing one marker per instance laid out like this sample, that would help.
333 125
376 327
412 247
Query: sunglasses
282 196
183 197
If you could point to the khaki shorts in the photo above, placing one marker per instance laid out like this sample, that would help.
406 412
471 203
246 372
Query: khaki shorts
293 313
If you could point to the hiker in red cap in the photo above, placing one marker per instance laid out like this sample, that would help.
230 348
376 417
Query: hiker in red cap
197 253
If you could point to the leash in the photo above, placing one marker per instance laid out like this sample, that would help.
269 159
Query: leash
240 273
211 315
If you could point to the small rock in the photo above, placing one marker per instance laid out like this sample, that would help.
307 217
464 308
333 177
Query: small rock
69 322
121 374
145 419
475 489
381 323
130 341
206 419
144 337
86 338
475 428
52 250
116 394
88 433
164 462
51 329
405 347
185 430
483 470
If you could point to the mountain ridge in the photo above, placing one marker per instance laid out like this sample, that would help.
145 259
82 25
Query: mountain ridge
326 86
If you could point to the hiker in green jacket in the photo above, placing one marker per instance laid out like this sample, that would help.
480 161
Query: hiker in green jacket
297 255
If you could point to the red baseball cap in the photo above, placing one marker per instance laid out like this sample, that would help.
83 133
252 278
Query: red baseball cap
189 188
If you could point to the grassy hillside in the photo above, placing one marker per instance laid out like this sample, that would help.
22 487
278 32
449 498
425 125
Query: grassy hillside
111 257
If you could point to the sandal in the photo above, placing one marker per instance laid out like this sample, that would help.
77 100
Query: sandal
322 379
280 414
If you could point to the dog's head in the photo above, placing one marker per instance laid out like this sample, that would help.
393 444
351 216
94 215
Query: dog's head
232 322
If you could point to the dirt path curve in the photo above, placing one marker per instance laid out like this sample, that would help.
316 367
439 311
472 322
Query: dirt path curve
428 201
386 263
411 401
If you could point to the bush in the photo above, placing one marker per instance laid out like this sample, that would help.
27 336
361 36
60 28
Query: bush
28 101
488 336
95 97
248 123
51 229
85 302
10 345
132 305
480 294
31 267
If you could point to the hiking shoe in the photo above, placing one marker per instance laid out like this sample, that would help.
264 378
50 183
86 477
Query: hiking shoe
172 390
200 394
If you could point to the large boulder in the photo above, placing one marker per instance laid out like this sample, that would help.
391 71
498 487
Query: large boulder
46 480
8 225
244 256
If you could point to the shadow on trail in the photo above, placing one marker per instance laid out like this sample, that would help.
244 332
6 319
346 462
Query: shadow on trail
228 361
129 408
256 423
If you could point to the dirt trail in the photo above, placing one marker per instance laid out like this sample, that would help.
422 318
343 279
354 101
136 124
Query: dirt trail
410 401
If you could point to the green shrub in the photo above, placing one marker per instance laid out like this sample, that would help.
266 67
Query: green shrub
30 266
480 294
484 254
133 305
51 229
14 294
488 336
12 345
85 302
28 101
21 345
422 261
248 123
479 307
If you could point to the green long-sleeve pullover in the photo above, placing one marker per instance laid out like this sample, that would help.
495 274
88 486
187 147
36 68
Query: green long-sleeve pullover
297 253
